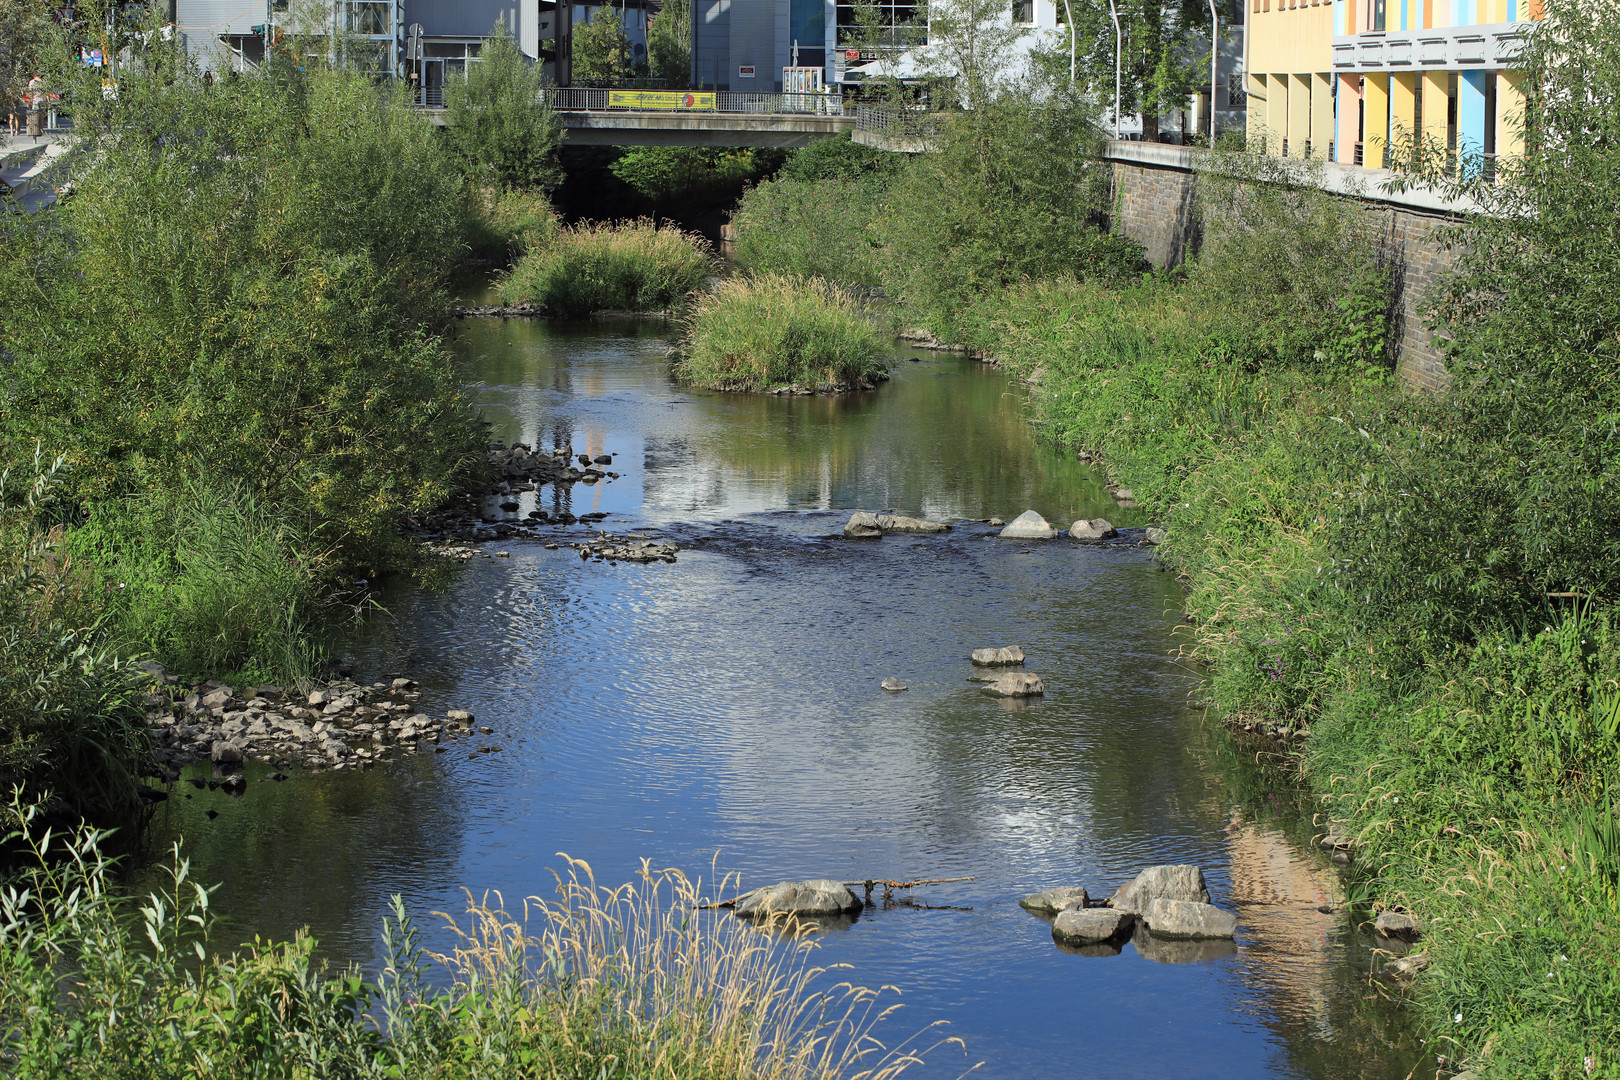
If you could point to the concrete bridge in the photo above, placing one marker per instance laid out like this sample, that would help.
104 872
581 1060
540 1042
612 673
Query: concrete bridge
627 117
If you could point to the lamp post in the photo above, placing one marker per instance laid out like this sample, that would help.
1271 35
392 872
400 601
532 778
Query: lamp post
1214 53
1068 13
1113 13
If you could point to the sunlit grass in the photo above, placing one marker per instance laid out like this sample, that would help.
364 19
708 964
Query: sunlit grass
630 266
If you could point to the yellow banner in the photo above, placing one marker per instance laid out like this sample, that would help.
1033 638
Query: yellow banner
659 99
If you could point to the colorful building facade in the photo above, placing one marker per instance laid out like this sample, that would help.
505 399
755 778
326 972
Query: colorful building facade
1373 82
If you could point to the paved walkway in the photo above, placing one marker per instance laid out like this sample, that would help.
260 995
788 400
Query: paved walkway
25 169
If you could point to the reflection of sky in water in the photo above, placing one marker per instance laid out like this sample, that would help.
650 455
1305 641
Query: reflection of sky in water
729 703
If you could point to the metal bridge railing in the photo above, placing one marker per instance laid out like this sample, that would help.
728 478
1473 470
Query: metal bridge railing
897 121
827 103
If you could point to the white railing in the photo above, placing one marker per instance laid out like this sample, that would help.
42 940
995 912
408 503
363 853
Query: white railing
824 103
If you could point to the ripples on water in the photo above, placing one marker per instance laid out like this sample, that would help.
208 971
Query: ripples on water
728 706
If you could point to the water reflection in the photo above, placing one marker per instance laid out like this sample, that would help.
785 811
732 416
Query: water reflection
730 703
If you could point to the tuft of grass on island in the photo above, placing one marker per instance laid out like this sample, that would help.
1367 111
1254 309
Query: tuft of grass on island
782 334
632 266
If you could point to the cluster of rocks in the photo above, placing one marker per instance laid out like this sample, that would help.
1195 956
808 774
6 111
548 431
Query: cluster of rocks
341 725
497 311
631 547
1032 526
1168 903
868 382
865 525
520 468
1001 683
523 468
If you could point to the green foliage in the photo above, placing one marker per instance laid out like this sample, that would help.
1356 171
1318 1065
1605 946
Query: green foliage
673 176
498 120
826 229
28 35
1015 190
760 333
601 50
599 984
669 46
71 723
208 580
235 291
505 224
837 158
634 266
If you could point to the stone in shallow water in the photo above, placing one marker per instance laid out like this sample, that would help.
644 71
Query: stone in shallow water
1188 920
1012 654
863 525
893 685
1018 684
1028 526
1178 882
1397 924
820 897
1154 535
1084 926
1095 529
1052 901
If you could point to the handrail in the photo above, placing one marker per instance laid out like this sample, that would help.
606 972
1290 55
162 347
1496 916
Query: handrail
897 121
596 99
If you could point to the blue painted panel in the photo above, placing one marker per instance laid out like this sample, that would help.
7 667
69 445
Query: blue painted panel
1471 116
1339 28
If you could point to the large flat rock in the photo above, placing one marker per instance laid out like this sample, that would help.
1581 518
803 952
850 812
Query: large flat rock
1015 684
820 897
1084 926
1052 901
1170 882
1028 526
1189 921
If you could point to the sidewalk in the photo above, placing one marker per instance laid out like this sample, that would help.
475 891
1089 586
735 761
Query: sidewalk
25 169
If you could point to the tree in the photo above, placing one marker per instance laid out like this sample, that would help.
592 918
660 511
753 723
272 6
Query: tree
601 50
669 44
1163 56
972 52
499 121
27 34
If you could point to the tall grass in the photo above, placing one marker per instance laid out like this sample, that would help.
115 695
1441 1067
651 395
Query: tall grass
774 330
634 982
210 580
502 225
630 266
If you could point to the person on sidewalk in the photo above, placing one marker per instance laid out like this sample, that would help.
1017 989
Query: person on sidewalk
13 115
36 106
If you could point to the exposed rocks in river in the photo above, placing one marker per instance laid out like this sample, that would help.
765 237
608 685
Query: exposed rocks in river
1178 882
1187 919
1094 529
864 525
1052 901
497 311
1015 684
1085 926
341 725
893 685
1002 657
1399 925
1154 535
1028 526
634 547
820 897
1404 968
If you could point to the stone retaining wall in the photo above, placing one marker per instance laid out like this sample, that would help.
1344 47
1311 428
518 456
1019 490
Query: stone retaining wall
1155 186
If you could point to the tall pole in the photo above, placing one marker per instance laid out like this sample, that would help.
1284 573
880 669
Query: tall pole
1068 13
1113 13
1214 53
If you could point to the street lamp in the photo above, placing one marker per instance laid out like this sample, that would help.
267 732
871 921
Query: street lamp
1113 13
1068 13
1214 52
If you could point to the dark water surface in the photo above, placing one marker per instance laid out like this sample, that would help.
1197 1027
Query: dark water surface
729 704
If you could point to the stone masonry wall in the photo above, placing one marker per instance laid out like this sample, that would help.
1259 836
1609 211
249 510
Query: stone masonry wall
1154 192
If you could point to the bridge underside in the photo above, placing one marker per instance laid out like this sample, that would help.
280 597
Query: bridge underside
698 129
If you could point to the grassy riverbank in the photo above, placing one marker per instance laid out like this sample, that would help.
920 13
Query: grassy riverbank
627 266
1415 591
631 982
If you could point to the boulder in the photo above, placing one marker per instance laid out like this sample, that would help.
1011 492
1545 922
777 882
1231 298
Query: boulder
895 523
1028 526
226 753
1055 900
1124 494
1397 924
1183 882
1187 920
1095 529
821 897
863 526
404 684
1015 684
1083 926
1004 657
1155 535
217 699
893 685
459 716
156 670
1403 968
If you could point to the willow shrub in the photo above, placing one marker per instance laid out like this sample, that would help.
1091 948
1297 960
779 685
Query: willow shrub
631 266
760 333
600 983
236 289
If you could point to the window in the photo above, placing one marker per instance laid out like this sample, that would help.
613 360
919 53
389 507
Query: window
1023 12
369 18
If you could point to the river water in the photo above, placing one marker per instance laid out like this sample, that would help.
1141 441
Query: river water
726 710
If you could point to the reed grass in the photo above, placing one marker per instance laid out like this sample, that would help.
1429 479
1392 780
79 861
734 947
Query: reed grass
633 266
637 981
777 330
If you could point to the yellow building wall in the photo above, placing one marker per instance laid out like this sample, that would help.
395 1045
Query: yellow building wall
1294 41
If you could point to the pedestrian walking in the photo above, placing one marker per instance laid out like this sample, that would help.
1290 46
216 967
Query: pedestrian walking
13 115
36 106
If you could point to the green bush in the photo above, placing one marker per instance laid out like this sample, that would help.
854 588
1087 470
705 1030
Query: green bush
838 158
633 266
825 229
673 178
502 225
498 120
759 333
208 580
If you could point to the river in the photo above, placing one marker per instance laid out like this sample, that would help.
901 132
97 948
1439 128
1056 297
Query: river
726 710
